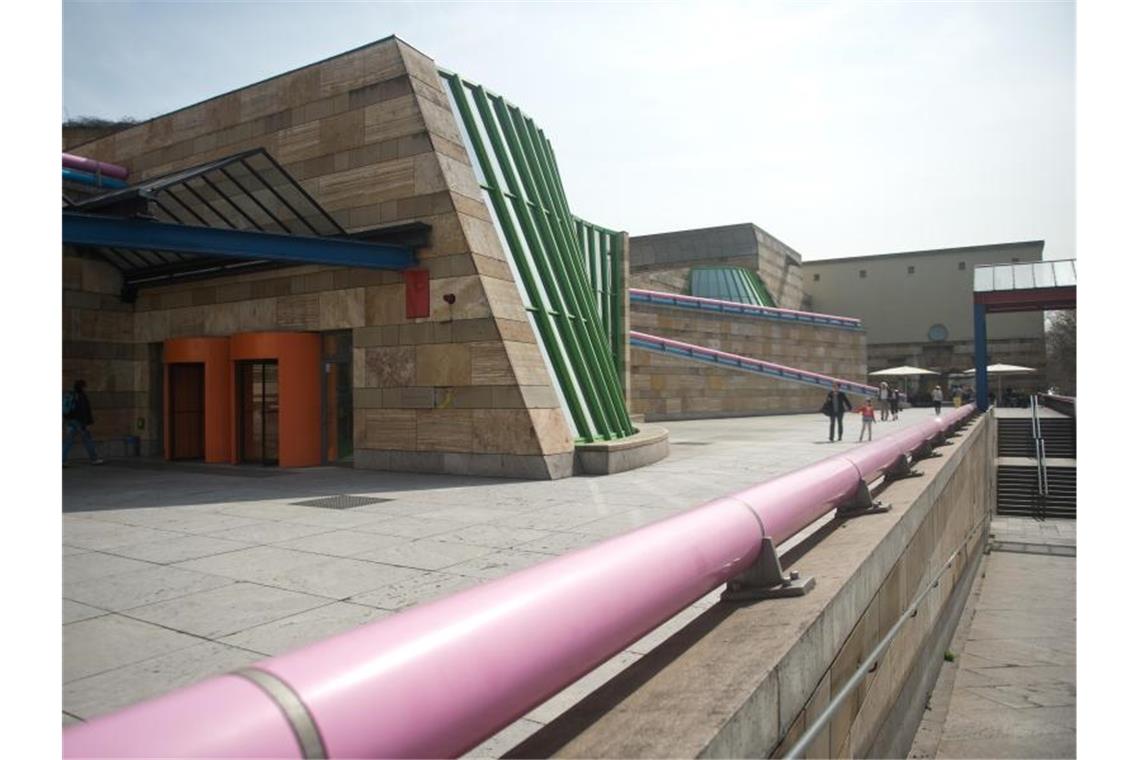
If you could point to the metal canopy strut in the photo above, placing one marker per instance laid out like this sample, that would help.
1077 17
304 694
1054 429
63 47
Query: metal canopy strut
134 234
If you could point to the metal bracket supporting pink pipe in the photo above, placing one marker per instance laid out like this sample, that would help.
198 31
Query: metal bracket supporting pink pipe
437 679
72 161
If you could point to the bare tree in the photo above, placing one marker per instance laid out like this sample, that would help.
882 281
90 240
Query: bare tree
1061 351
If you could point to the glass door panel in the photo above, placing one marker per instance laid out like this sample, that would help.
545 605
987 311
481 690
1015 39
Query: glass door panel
257 411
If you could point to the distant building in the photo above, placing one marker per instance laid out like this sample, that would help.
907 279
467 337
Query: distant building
917 308
666 260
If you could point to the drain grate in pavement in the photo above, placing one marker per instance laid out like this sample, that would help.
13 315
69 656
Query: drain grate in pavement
340 501
689 443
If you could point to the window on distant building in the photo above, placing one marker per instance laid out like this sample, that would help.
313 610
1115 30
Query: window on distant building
961 265
910 270
1015 259
815 278
862 273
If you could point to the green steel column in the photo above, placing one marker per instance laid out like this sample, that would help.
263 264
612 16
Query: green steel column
542 318
617 332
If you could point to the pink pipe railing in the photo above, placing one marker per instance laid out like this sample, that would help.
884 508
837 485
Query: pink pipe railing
744 306
439 678
72 161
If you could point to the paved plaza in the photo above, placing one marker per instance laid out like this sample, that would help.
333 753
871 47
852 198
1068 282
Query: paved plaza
1012 688
172 573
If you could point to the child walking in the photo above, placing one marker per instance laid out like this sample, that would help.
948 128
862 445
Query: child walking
867 411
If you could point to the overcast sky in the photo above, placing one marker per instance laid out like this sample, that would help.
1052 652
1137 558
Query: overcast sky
841 129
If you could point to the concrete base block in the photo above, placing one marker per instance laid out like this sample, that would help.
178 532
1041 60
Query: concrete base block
650 444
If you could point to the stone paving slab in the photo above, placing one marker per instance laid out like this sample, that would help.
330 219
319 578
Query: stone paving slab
179 549
154 583
288 573
110 641
225 611
285 634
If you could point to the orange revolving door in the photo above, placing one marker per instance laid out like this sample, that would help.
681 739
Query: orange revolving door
277 398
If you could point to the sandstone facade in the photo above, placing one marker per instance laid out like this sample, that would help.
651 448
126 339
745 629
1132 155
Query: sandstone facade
371 136
667 387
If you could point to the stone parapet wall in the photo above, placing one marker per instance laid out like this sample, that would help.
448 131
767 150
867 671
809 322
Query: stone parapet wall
370 135
667 387
746 680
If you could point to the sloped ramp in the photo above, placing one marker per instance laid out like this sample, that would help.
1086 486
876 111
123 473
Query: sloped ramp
743 363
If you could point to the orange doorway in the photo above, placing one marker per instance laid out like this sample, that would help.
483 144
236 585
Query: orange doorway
188 411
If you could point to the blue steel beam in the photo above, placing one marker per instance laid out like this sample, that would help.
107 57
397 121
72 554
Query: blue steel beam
112 232
95 180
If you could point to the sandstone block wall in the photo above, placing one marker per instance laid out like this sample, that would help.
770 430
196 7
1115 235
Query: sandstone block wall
667 387
99 346
370 135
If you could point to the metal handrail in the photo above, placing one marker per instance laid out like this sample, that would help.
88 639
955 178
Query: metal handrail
660 298
872 661
1039 450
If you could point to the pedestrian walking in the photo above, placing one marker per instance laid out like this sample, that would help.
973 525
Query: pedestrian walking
77 418
884 400
936 397
895 403
835 405
868 413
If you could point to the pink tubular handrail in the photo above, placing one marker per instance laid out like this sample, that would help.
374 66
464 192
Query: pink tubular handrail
72 161
437 679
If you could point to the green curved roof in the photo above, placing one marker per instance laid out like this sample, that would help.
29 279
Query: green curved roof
729 284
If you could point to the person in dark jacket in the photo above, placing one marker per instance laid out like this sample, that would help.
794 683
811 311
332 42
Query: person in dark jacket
836 404
77 421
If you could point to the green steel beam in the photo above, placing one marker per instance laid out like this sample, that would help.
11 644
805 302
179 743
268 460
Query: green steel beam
549 179
614 400
574 338
542 318
578 264
553 231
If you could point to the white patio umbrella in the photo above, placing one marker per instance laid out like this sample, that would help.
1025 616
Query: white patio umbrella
904 371
1002 369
